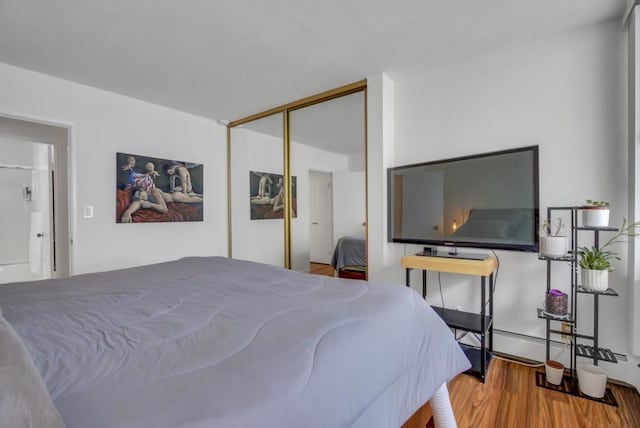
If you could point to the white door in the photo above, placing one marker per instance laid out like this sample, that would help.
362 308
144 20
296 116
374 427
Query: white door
321 236
26 217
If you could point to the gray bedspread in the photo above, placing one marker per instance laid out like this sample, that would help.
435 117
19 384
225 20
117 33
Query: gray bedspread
214 342
349 251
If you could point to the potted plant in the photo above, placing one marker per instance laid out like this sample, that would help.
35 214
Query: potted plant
552 244
595 214
595 263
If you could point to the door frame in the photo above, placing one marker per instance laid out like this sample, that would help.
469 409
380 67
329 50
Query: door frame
57 134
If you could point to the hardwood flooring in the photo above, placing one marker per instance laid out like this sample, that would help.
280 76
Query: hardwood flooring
510 398
321 269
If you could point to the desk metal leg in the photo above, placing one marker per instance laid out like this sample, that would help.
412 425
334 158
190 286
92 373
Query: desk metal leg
491 278
407 280
424 284
483 348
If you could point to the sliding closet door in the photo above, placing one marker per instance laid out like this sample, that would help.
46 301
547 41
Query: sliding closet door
327 152
257 191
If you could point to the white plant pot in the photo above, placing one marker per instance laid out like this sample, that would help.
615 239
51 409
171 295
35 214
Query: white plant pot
554 372
595 217
595 280
592 380
554 246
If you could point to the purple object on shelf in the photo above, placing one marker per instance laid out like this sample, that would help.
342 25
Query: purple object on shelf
556 302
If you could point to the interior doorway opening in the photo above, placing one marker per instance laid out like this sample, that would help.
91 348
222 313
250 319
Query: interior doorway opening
321 212
34 223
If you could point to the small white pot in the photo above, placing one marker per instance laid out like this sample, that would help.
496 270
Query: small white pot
595 217
554 372
592 380
554 246
595 280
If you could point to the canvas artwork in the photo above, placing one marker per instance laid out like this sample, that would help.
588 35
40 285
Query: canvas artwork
151 190
267 195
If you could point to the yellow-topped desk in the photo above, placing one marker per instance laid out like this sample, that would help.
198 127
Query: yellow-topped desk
479 323
452 265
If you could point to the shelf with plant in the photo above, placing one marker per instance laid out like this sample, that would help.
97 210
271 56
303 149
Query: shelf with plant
554 245
595 214
595 263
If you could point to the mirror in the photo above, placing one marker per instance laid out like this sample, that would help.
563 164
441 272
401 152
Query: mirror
256 184
327 156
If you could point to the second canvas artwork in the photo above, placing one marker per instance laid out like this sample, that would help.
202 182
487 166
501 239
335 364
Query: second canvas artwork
267 195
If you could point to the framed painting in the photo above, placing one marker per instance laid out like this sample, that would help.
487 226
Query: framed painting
266 191
151 190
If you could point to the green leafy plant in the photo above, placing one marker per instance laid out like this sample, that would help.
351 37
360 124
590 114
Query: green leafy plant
600 258
600 204
547 227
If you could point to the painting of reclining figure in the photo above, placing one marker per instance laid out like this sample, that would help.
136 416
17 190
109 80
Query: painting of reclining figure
267 195
151 190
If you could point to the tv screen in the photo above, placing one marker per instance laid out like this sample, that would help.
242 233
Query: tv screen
488 200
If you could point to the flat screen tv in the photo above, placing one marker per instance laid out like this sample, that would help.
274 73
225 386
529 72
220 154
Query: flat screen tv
489 200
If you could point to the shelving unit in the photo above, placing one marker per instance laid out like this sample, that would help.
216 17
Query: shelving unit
593 352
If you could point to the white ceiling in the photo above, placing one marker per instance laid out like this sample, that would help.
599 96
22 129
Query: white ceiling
226 59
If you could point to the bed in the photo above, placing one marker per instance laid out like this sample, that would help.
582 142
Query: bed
216 342
349 257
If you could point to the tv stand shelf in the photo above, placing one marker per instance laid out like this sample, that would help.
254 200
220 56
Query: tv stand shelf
479 323
460 320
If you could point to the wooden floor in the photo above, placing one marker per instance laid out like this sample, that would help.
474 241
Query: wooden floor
510 398
321 269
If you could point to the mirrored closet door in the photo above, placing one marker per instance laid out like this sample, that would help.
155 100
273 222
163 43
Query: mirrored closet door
257 190
327 152
297 184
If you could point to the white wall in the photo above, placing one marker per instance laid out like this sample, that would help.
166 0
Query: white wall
348 205
567 95
103 123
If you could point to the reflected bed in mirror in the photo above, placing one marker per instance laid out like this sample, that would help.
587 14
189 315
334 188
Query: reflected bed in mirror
349 258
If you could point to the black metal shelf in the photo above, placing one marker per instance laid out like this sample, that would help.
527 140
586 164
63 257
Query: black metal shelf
461 320
607 292
547 316
603 354
598 229
595 353
567 258
474 355
569 385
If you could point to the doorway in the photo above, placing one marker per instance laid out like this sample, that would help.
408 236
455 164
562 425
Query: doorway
34 221
321 213
26 221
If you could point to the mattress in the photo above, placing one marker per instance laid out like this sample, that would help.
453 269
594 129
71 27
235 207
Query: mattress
215 342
